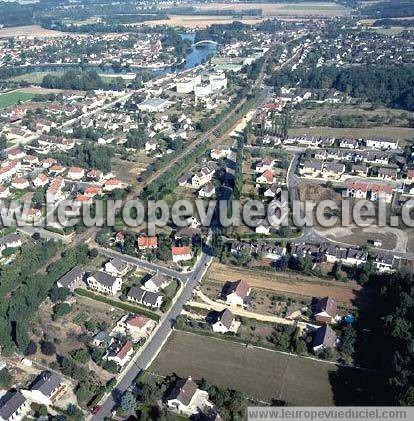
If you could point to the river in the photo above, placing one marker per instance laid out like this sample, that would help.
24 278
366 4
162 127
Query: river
196 56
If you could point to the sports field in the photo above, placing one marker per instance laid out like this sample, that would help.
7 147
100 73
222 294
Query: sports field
12 98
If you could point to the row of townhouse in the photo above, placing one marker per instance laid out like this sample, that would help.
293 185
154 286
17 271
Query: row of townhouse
355 156
348 256
317 169
346 143
273 251
376 192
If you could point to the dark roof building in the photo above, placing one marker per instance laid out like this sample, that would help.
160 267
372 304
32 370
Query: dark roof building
325 337
183 391
12 404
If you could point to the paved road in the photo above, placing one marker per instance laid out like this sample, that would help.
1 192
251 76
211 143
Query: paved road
157 339
152 267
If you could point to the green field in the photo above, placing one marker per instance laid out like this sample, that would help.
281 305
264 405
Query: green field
12 98
34 77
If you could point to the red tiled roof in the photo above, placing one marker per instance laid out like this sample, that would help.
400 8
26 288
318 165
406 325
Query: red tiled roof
178 251
147 242
124 350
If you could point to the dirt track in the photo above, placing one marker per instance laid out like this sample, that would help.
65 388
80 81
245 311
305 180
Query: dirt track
287 283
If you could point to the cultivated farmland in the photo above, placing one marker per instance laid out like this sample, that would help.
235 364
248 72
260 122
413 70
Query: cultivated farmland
259 373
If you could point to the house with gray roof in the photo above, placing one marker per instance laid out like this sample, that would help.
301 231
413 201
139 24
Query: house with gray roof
117 267
324 338
10 241
71 279
136 294
156 282
46 389
104 282
13 406
223 321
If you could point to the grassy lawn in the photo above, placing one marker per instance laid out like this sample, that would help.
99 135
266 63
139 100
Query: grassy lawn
12 98
263 374
123 306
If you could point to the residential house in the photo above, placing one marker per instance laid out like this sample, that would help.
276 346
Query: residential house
324 338
333 170
94 175
102 339
384 144
390 174
270 251
156 283
266 164
360 170
20 183
104 282
180 254
349 143
220 153
15 154
152 299
275 190
117 267
76 173
13 406
55 191
266 178
410 176
325 310
137 327
147 243
92 191
119 352
236 293
47 389
41 180
186 398
154 105
223 322
136 294
239 248
4 192
374 192
385 262
202 177
112 184
10 241
71 279
311 169
208 190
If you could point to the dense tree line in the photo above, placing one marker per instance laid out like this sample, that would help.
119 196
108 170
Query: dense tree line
73 79
87 155
394 335
223 34
388 85
393 22
389 9
26 288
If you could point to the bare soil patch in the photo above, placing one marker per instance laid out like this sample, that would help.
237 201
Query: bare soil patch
28 31
289 284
